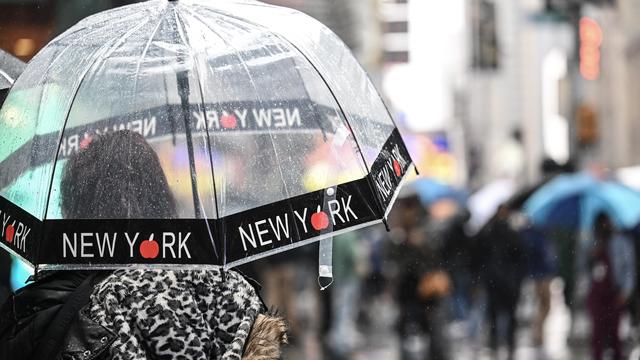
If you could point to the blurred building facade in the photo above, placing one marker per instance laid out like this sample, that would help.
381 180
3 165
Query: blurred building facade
356 22
516 88
564 72
613 95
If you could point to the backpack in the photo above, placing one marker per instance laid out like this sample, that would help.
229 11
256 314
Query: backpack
35 320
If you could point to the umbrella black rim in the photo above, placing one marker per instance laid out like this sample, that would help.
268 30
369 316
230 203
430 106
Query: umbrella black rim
363 202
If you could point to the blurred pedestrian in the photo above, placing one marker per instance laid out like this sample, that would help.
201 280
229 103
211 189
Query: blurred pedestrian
457 254
344 337
422 284
503 267
565 241
133 314
634 303
613 277
541 269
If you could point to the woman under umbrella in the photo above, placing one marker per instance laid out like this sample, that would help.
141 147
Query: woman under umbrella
134 314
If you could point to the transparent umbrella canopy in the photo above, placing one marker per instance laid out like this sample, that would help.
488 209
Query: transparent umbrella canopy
269 134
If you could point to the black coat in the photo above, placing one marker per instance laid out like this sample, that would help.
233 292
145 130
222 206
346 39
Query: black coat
33 313
5 276
502 260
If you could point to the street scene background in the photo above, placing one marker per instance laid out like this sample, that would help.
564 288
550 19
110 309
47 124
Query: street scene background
495 99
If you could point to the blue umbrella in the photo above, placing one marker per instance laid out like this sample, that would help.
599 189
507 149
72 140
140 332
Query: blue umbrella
573 201
431 191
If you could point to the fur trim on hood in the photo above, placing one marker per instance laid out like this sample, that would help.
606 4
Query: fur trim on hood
268 334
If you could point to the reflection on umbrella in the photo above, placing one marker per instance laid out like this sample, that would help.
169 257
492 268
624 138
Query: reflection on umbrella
240 101
222 119
484 203
573 201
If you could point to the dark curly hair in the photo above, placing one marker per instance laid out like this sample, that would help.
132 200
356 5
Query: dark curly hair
117 176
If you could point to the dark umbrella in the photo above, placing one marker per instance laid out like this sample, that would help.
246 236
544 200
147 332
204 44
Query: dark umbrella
269 133
516 202
550 169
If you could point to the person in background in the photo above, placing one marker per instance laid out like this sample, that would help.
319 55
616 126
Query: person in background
541 269
133 314
457 254
344 336
613 276
503 266
634 304
421 283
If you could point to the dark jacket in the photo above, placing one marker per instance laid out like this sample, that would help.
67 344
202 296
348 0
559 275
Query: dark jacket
32 312
5 276
502 258
32 315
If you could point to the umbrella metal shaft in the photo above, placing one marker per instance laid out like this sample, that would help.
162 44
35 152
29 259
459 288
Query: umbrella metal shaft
183 90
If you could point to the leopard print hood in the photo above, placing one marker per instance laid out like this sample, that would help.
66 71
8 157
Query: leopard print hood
195 315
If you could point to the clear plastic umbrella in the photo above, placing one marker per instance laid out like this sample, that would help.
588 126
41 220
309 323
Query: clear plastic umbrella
269 134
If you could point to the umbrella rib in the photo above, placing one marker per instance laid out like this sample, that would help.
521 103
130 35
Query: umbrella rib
104 48
6 76
244 65
242 61
144 55
75 29
313 65
182 83
335 98
224 13
202 103
381 208
208 141
161 16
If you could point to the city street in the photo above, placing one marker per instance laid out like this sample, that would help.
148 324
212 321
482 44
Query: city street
320 179
381 343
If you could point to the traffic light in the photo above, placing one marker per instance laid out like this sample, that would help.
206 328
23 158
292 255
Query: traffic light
590 34
587 125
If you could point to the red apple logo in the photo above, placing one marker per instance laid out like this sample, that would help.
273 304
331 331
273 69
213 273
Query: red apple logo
86 142
9 234
149 249
228 121
397 168
320 220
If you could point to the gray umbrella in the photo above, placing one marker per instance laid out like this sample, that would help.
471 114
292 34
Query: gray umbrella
10 68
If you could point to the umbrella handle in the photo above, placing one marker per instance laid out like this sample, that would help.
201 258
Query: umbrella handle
325 262
324 287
